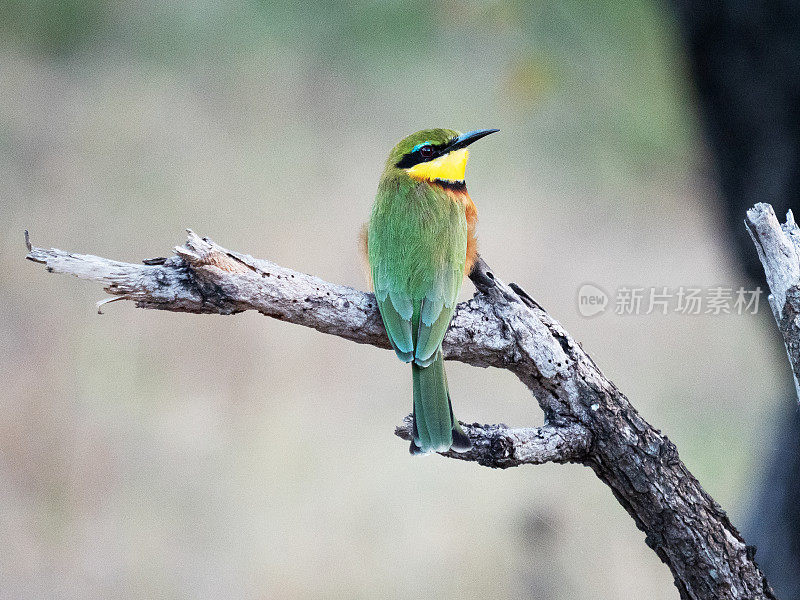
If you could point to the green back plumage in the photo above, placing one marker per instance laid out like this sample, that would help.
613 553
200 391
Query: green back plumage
417 240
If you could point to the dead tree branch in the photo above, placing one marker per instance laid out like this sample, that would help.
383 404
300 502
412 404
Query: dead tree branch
500 447
778 248
588 420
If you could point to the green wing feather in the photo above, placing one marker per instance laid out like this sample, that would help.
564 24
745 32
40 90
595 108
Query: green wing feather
417 250
435 313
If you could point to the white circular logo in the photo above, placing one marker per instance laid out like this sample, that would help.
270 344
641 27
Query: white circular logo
591 300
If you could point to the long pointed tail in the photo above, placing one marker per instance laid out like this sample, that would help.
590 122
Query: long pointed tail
435 428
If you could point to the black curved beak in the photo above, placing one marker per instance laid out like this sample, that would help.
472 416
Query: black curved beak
465 139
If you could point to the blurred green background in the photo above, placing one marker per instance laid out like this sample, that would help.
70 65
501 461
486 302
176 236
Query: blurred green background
157 455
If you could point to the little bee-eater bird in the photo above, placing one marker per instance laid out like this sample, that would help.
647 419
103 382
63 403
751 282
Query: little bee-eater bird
420 245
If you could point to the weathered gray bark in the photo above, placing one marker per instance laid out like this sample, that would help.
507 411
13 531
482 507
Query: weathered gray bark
500 447
778 248
588 420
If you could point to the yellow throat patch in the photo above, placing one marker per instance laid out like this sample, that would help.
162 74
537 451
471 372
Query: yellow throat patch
450 167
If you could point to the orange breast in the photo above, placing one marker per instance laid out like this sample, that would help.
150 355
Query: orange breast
462 197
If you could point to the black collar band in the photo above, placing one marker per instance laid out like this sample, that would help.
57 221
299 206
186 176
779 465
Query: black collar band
456 186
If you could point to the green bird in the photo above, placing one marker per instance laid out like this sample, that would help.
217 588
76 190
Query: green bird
420 244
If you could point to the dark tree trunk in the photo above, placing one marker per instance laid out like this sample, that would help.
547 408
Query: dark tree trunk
745 60
774 523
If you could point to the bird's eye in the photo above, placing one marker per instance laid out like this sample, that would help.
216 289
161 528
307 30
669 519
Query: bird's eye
426 151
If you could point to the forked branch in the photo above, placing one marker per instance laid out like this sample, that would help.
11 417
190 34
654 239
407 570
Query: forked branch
588 420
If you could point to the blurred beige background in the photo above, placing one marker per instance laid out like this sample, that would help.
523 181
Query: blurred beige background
158 455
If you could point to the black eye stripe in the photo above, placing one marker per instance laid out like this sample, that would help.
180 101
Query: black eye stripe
415 158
